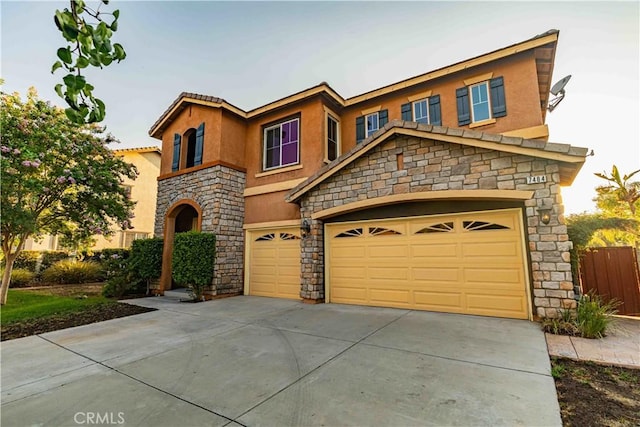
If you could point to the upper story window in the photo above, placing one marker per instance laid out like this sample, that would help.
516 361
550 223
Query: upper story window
281 144
425 110
367 125
333 138
481 102
187 148
420 111
373 123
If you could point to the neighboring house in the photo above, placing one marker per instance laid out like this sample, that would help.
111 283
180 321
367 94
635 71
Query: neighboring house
143 190
429 193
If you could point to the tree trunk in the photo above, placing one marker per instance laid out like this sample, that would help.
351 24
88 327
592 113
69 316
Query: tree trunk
6 276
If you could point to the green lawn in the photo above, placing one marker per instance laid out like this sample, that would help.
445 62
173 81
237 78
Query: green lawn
25 305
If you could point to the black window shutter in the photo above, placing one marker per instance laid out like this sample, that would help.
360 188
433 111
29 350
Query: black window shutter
405 109
498 101
176 152
462 98
383 118
197 160
434 110
359 129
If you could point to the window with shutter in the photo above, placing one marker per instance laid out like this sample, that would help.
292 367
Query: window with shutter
372 122
333 142
420 111
481 101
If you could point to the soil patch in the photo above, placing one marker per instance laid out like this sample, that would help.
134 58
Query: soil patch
96 313
597 395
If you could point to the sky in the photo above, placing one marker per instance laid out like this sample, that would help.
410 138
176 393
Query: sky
252 53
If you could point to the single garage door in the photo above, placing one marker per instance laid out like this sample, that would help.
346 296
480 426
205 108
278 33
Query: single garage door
274 263
460 263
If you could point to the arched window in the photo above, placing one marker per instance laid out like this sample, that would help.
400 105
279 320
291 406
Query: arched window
187 148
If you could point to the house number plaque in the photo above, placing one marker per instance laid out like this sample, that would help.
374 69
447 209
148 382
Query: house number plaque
536 179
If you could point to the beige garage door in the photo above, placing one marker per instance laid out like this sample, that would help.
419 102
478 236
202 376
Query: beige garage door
274 263
460 263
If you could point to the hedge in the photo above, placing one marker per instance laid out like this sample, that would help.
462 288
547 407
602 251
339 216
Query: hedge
193 261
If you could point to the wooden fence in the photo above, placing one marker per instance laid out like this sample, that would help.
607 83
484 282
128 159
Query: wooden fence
613 273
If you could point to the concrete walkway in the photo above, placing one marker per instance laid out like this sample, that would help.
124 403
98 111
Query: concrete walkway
259 361
621 347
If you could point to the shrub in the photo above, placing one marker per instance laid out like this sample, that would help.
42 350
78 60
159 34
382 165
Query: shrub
21 277
27 260
145 261
594 316
72 271
193 261
51 257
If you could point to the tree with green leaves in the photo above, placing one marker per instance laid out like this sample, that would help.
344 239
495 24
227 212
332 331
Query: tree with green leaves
88 37
57 178
620 189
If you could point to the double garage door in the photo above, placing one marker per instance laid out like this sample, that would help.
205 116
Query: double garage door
470 263
460 263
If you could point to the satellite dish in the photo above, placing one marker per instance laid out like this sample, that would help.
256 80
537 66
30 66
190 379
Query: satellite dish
559 86
558 91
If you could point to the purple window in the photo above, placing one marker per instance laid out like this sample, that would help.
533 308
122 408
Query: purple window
281 144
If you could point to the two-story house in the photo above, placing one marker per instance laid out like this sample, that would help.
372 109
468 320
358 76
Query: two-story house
439 192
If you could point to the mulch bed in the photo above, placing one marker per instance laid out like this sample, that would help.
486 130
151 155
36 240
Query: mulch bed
597 395
97 313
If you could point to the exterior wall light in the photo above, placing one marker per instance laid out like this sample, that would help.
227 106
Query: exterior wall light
545 215
305 228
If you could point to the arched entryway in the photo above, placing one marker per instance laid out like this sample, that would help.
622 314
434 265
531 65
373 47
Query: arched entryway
184 215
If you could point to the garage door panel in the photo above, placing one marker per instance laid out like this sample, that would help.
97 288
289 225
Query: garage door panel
460 263
348 251
437 250
503 250
438 300
483 276
348 273
387 274
349 295
388 251
392 295
426 274
498 305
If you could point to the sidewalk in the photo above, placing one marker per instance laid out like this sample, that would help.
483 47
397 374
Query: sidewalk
621 347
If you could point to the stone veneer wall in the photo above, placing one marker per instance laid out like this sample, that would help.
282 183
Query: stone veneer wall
435 166
218 191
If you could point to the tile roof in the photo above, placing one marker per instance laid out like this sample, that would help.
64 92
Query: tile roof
569 153
183 95
148 149
544 39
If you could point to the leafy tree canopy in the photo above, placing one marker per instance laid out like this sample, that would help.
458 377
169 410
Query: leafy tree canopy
617 221
88 34
57 177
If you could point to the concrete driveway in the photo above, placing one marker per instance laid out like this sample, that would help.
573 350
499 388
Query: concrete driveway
259 361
